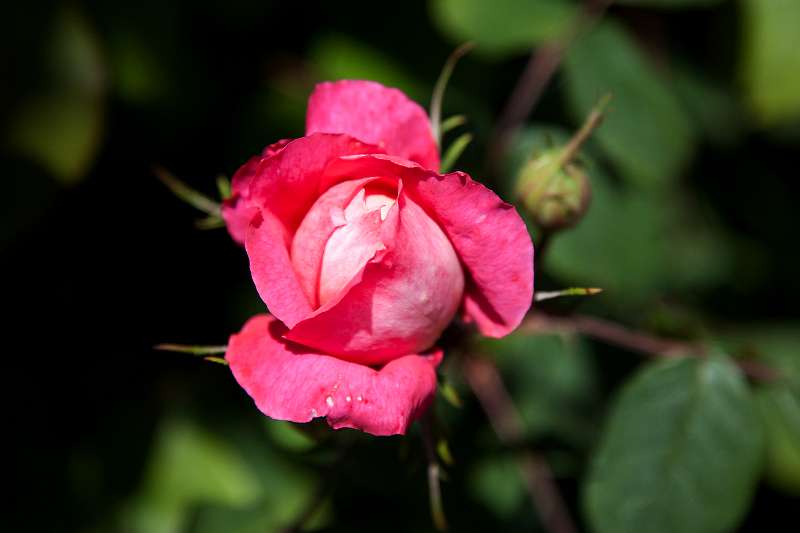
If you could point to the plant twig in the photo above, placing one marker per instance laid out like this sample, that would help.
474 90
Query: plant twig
434 475
484 379
541 67
635 341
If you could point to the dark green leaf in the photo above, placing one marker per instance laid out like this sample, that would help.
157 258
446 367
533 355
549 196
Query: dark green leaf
61 128
681 451
646 134
502 26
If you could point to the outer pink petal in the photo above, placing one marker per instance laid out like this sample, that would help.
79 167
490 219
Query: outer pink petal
271 269
489 236
375 114
237 210
291 382
280 192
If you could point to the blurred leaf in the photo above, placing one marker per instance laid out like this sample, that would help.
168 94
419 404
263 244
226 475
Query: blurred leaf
288 436
779 408
551 379
189 466
61 128
676 4
502 26
713 108
776 345
646 134
681 451
337 57
139 74
770 63
496 482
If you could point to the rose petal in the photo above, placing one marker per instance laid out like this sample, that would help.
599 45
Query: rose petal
308 244
489 236
374 114
399 303
271 269
291 382
296 171
236 210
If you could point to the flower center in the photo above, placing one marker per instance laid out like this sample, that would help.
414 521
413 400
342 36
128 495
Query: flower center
353 244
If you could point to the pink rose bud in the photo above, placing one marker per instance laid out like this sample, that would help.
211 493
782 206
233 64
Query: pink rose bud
363 255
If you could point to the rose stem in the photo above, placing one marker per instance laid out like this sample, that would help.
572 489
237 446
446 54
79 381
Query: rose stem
485 380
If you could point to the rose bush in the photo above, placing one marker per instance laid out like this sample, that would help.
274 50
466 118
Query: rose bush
363 254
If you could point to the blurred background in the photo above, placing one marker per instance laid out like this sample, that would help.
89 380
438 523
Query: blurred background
691 232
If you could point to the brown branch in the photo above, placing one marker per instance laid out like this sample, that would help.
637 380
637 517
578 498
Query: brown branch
484 379
538 72
635 341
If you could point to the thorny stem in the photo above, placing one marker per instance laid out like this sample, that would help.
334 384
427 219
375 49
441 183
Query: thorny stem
484 379
635 341
541 67
434 476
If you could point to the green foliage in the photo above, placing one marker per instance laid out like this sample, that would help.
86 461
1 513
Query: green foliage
61 126
681 451
770 65
502 26
777 346
552 381
189 466
497 484
647 134
338 57
671 4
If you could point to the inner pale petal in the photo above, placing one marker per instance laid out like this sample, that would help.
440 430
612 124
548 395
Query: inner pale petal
357 241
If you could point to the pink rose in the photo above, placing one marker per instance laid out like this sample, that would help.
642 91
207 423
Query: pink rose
363 254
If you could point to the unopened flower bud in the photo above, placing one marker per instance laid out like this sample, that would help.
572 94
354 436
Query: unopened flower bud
554 191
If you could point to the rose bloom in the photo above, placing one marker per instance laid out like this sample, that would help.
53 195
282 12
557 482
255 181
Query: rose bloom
363 254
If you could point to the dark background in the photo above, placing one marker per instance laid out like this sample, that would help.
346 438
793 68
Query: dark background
101 262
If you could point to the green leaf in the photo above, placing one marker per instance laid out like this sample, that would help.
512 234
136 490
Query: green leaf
672 4
646 134
777 346
339 57
712 106
496 482
770 64
681 451
502 26
189 466
61 128
779 408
